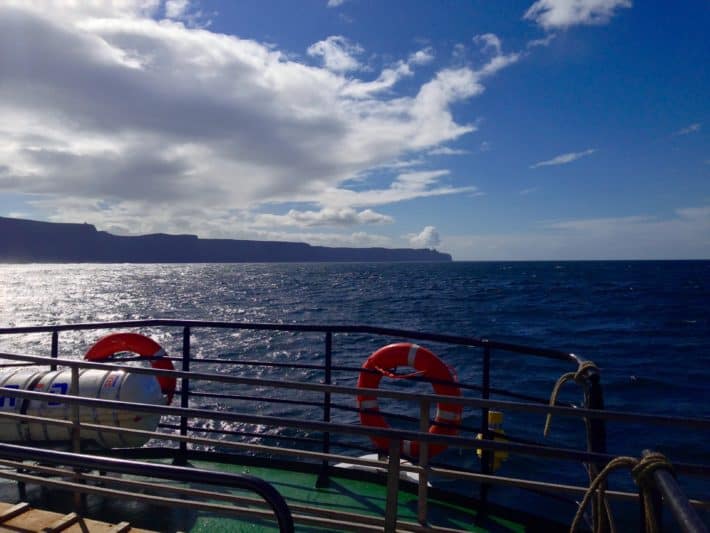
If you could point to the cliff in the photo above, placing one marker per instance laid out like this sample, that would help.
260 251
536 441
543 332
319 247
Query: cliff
33 241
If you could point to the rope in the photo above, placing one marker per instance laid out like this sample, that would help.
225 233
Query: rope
577 377
642 471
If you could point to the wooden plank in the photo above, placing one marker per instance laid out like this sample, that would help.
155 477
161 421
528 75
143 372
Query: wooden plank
32 520
122 527
11 512
23 518
62 523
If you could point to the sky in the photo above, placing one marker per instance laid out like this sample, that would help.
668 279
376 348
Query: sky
490 130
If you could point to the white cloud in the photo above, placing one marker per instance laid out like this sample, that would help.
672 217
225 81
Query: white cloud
564 159
693 128
551 14
356 239
338 53
336 3
344 216
407 186
386 80
174 9
422 57
545 41
445 150
427 238
489 42
492 45
531 190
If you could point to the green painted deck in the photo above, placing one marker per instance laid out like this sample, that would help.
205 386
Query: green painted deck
360 498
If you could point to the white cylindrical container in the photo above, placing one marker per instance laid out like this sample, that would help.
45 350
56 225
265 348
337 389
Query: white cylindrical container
116 385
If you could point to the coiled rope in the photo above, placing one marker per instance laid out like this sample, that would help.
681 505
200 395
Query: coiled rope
577 377
642 471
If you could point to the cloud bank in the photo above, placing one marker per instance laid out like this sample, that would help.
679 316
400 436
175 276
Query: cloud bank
683 234
120 113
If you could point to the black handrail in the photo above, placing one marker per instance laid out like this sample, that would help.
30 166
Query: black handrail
313 328
565 454
620 416
139 468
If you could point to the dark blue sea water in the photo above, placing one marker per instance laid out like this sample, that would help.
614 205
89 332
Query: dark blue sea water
645 324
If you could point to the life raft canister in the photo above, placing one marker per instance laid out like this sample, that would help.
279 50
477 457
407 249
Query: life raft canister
428 366
116 385
144 346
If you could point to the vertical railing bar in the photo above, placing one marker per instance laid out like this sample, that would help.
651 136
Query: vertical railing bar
184 391
485 394
55 347
422 489
391 503
322 480
76 431
76 426
596 439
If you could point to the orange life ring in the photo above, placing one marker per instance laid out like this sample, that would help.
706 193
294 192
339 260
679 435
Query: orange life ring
448 415
143 346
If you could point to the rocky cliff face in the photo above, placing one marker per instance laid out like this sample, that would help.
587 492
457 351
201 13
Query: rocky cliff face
33 241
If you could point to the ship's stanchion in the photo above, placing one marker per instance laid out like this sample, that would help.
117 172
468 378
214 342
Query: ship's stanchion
486 458
55 347
181 459
392 486
322 480
79 497
422 490
587 376
596 439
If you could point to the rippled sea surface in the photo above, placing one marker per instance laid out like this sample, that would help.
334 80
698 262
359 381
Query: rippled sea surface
645 324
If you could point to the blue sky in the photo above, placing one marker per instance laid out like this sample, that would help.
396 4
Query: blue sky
549 129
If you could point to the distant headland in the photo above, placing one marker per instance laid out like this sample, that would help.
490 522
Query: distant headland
31 241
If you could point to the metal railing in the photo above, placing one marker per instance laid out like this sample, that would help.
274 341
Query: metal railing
186 437
83 462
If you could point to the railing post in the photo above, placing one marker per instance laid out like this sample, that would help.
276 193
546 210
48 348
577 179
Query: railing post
184 393
79 499
392 486
55 347
322 480
485 433
423 493
596 437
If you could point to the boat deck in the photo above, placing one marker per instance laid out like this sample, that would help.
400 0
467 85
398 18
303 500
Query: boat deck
21 517
345 504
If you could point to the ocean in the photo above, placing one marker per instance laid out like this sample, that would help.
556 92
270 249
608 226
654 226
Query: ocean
646 325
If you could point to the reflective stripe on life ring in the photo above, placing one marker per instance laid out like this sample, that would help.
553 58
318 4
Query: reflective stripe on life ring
429 366
143 346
